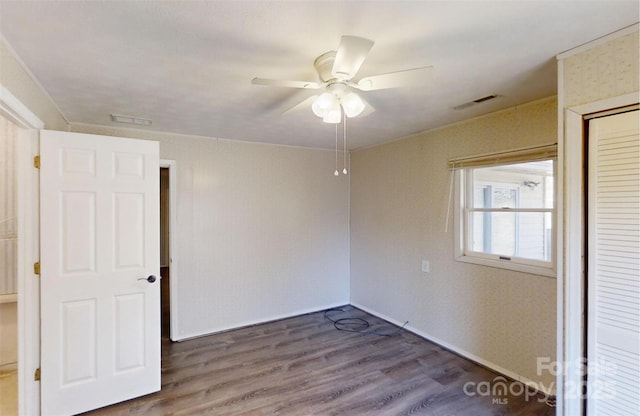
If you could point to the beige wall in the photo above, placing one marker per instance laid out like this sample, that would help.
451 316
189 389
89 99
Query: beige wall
399 195
603 71
262 230
18 81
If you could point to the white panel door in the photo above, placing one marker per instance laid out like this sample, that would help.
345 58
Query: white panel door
100 302
613 337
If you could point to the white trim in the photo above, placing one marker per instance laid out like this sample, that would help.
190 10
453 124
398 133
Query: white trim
610 103
560 170
33 78
615 111
18 113
518 264
29 292
149 134
540 387
28 250
572 305
28 282
601 40
573 320
173 246
272 318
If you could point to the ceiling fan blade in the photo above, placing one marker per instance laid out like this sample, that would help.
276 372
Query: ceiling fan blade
301 105
409 77
368 108
288 84
350 55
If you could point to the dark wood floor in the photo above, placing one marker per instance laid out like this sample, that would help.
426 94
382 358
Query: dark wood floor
304 366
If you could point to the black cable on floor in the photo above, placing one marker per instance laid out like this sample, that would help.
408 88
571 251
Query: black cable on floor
357 325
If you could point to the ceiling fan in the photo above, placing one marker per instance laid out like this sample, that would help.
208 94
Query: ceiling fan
336 71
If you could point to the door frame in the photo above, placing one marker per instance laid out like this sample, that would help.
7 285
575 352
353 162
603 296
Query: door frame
173 247
28 251
572 286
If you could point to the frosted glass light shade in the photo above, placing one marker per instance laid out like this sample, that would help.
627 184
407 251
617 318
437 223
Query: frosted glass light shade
352 104
323 104
333 116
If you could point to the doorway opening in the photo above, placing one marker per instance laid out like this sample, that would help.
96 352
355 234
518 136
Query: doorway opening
168 260
8 267
165 256
27 296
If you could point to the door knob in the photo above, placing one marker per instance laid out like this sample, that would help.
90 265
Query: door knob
149 279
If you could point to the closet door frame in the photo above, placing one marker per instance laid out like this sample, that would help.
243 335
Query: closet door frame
571 289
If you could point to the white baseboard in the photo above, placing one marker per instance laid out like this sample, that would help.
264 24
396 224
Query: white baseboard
263 320
466 354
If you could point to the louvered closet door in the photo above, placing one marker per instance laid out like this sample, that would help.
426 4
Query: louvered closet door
613 340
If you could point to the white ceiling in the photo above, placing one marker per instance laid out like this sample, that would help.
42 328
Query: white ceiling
188 65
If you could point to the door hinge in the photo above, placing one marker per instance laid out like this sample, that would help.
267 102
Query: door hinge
36 268
36 375
36 162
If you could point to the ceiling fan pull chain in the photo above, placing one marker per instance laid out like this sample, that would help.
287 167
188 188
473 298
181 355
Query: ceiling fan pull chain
336 173
344 143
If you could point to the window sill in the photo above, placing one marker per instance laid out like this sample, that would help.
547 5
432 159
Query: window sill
509 265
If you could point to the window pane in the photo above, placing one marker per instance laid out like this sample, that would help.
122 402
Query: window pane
521 185
508 212
513 234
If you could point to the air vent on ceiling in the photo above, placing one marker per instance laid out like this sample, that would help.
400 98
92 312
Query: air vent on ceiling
474 102
130 120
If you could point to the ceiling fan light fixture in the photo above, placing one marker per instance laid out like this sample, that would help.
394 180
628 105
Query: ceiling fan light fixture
336 70
333 116
324 103
352 105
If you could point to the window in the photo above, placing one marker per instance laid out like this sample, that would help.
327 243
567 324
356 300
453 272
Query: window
507 213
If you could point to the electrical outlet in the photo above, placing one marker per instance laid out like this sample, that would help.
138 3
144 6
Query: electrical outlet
426 266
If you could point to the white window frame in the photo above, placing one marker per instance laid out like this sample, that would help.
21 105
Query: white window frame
461 223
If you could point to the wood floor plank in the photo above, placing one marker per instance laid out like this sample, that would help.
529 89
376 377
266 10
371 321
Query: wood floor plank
304 366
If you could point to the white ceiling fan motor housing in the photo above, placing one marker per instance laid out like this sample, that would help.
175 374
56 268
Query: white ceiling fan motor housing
324 65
